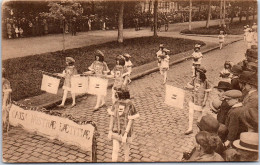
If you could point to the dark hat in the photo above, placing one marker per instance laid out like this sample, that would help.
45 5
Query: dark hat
223 85
70 60
236 69
249 78
208 123
253 53
202 69
252 66
234 94
254 47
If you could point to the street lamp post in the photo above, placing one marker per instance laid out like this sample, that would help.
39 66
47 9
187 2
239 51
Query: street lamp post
190 15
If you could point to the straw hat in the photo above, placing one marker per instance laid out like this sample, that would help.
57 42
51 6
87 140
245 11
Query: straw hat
248 141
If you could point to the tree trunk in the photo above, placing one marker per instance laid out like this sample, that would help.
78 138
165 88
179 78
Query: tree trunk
224 12
120 23
150 2
63 37
254 13
247 14
190 15
155 15
209 14
220 14
240 15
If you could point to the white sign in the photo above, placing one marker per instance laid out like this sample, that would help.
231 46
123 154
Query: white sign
53 127
50 84
174 96
97 86
79 84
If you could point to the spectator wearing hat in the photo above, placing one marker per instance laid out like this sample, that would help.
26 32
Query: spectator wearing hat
6 101
236 70
250 119
206 146
247 146
120 73
200 88
197 57
248 82
98 68
219 105
128 65
69 71
221 38
233 121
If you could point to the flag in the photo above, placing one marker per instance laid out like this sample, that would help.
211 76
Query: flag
97 86
174 96
79 84
50 84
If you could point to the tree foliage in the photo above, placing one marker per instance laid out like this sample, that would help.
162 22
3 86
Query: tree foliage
63 11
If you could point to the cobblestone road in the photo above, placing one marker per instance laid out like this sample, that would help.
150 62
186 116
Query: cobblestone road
159 130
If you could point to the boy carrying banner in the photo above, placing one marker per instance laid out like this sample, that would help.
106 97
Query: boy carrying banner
120 73
6 101
99 67
200 90
69 71
122 116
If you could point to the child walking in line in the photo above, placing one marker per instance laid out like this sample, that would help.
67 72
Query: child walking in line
159 53
225 74
221 38
200 90
249 38
99 67
122 116
164 65
245 32
197 57
69 71
120 73
128 65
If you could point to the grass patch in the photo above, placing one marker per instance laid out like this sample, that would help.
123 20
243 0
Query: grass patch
236 28
25 78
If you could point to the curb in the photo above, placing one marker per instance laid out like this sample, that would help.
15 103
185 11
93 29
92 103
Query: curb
200 35
135 77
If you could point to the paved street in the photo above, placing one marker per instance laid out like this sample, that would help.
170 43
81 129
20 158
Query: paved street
36 45
159 130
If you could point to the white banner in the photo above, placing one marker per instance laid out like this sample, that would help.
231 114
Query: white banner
79 84
174 96
97 86
50 84
53 127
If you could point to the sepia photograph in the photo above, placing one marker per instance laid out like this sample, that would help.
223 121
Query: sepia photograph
99 81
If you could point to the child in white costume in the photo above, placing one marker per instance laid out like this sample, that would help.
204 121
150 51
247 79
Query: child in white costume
159 53
128 65
69 71
221 38
226 74
164 63
122 114
249 38
99 67
197 57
